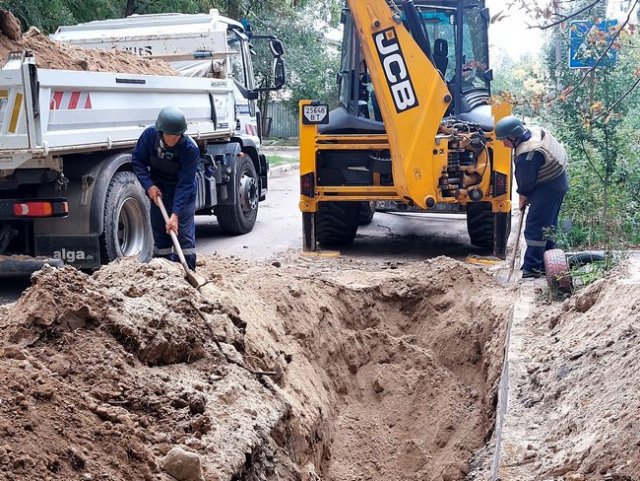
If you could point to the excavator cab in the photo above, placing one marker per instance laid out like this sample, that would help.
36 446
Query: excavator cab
433 24
413 129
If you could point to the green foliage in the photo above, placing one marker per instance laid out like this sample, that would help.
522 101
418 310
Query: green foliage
168 6
596 115
312 62
598 124
47 15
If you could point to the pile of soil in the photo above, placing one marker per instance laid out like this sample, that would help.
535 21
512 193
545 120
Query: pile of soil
54 55
311 370
576 409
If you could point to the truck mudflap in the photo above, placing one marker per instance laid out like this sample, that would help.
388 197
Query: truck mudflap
82 252
23 265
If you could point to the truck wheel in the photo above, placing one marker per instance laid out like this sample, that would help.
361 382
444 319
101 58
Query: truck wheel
366 211
240 217
127 226
486 229
336 223
556 266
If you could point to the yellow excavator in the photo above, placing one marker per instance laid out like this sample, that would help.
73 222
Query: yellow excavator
414 126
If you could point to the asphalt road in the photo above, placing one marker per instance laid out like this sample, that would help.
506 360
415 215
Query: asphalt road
393 237
278 232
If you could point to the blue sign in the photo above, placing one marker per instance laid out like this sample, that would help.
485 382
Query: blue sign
588 41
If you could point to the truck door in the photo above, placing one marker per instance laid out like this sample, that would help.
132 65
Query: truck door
241 67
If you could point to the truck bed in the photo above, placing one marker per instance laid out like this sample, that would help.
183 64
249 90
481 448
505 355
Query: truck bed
45 112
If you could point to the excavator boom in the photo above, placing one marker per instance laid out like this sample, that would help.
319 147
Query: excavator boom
412 96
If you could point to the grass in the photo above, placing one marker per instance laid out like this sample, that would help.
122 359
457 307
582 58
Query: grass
281 142
280 160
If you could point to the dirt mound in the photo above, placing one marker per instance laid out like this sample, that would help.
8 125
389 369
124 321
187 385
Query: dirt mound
578 406
370 374
54 55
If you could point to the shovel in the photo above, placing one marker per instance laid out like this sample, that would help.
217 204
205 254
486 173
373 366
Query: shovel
176 245
505 276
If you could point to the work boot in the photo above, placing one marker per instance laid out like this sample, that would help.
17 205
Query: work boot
532 274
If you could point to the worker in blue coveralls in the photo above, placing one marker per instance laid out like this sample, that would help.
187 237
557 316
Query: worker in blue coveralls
541 174
165 161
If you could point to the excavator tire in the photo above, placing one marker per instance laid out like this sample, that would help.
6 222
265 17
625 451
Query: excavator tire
480 224
488 230
366 212
336 223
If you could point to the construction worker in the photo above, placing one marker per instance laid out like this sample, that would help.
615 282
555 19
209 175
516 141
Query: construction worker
165 161
541 174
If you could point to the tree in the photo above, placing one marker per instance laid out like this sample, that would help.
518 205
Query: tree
312 62
594 111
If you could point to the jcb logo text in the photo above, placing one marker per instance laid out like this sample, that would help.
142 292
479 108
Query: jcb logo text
395 70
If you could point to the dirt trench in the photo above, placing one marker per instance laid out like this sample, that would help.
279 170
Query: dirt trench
382 374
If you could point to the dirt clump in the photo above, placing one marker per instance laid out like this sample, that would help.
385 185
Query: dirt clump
370 373
50 54
10 25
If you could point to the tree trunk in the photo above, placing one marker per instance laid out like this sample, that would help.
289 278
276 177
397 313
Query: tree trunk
130 8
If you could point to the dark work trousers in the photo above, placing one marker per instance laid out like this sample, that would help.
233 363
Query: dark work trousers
539 231
186 230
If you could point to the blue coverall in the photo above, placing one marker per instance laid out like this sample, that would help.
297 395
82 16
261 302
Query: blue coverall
544 201
178 191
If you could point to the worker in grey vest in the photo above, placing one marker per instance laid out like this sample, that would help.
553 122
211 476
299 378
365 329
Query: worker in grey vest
541 174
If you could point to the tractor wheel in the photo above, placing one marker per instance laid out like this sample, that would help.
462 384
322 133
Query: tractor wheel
336 223
366 212
557 269
488 230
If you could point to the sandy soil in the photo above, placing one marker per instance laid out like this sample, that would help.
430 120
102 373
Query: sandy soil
313 369
370 373
575 405
54 55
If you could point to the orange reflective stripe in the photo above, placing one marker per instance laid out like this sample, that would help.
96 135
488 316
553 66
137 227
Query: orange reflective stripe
4 94
13 124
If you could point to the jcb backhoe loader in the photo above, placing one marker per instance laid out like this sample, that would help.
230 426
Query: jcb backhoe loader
414 125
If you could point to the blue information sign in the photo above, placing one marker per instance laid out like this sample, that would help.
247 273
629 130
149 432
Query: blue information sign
588 41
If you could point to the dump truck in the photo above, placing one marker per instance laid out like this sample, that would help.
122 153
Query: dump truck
203 45
68 193
413 127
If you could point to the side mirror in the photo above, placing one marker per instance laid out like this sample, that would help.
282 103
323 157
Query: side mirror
485 14
279 73
277 49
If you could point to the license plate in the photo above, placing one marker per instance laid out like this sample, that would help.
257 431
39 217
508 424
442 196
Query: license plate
315 114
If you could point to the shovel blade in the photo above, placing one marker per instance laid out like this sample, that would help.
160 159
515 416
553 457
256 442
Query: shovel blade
508 276
192 279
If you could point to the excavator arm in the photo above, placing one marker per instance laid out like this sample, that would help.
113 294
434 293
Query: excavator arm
412 96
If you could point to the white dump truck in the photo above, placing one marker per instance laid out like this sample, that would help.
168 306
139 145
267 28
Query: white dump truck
204 45
67 190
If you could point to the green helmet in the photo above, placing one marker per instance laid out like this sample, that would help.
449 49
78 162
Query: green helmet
171 121
509 126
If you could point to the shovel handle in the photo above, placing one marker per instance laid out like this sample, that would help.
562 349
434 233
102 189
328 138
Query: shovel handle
174 238
515 248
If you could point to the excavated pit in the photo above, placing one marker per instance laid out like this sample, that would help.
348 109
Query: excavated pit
314 370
